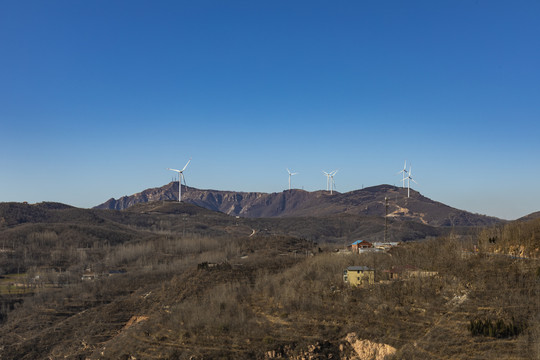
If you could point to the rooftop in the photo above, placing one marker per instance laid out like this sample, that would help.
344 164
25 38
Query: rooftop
359 242
359 268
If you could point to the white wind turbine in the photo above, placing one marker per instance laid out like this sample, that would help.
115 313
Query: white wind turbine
327 180
180 177
404 171
409 178
329 184
290 174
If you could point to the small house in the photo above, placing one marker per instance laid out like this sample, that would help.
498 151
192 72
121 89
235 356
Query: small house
385 246
408 272
359 275
400 272
360 245
116 272
89 275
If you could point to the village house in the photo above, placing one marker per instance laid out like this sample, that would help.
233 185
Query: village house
359 246
359 275
385 246
116 272
407 272
89 275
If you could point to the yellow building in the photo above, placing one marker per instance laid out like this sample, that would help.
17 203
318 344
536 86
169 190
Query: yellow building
359 275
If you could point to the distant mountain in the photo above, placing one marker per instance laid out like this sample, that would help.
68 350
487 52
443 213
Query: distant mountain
64 226
532 216
299 203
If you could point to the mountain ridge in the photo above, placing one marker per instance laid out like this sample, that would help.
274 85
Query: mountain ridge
368 201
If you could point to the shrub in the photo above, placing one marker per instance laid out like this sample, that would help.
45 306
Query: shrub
495 328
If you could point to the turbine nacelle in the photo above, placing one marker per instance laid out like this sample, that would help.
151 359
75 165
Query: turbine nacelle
291 173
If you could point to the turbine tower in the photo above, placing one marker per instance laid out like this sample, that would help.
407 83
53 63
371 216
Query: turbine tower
290 174
332 183
409 178
180 177
330 180
404 171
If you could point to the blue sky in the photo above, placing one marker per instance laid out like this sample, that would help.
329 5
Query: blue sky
97 98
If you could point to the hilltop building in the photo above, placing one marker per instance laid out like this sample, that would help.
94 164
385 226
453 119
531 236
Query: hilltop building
359 275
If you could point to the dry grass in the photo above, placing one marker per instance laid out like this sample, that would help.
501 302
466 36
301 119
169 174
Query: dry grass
265 294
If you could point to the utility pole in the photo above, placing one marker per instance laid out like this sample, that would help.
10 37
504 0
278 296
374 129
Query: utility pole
386 219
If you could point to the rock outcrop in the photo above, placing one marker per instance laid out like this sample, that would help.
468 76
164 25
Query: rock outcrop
369 350
351 348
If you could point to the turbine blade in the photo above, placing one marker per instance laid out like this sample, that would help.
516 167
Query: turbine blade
174 170
186 164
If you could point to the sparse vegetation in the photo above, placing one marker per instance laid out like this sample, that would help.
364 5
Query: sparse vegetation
519 239
497 329
217 292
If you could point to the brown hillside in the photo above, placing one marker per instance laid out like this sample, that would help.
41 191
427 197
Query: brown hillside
299 203
532 216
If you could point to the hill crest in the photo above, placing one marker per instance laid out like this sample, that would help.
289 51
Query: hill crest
369 201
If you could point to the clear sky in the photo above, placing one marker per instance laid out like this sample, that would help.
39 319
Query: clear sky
98 97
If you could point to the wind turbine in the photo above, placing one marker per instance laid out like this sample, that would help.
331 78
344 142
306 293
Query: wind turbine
409 178
180 177
329 184
327 180
404 171
290 174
